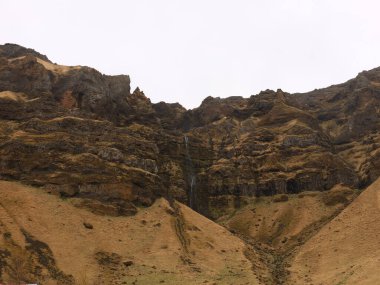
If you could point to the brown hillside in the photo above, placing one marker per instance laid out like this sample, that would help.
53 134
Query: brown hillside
109 176
73 246
346 250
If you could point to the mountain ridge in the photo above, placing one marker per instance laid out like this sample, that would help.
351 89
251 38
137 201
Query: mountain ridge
273 173
237 146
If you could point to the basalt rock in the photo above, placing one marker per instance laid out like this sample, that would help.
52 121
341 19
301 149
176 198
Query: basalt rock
79 133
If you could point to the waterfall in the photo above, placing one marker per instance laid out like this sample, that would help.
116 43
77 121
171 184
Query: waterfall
187 148
192 187
191 177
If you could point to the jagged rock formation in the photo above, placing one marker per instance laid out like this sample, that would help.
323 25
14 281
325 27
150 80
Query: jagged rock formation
277 170
79 133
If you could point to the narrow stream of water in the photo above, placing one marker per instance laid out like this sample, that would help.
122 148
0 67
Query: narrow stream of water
190 173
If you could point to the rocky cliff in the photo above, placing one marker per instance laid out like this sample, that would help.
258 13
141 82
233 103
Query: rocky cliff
76 132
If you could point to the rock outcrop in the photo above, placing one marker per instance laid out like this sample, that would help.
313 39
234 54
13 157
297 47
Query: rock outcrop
77 132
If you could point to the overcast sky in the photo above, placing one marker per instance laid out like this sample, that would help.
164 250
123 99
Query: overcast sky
183 51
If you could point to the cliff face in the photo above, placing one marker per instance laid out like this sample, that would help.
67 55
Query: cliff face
77 132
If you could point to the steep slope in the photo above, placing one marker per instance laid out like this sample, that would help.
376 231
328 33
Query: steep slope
277 226
346 250
61 126
63 244
273 168
283 221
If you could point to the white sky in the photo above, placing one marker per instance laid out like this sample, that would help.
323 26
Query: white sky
183 51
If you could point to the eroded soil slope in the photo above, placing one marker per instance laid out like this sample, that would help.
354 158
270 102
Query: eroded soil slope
59 243
277 227
346 250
